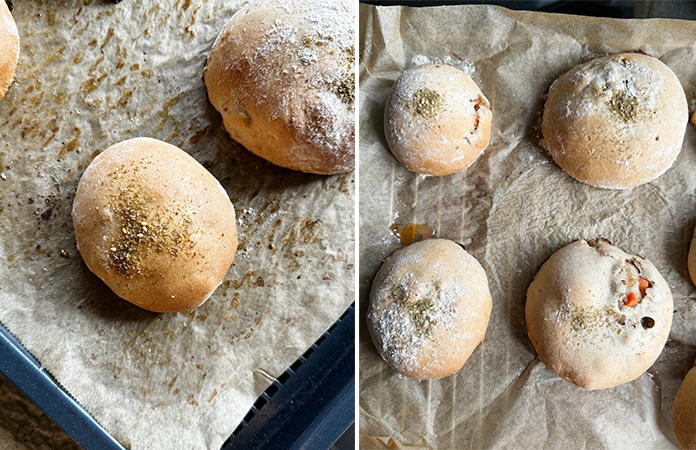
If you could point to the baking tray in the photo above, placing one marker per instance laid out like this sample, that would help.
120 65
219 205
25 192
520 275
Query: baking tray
26 373
310 405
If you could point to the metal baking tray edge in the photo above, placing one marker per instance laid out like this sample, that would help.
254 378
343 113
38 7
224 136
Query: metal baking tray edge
312 403
25 372
308 406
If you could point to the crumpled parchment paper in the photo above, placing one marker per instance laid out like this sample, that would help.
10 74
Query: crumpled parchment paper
91 74
512 209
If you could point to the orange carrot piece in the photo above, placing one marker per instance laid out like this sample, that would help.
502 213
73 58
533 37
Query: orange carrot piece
631 300
643 286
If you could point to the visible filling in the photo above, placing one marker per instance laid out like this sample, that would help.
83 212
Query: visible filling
647 322
631 290
477 105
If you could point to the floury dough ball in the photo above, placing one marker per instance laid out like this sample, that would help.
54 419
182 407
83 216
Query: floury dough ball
154 225
429 308
9 48
281 74
616 122
597 316
436 120
684 416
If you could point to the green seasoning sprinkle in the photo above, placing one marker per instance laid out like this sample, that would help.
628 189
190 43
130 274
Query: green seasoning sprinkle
426 102
138 232
594 318
345 89
624 105
421 313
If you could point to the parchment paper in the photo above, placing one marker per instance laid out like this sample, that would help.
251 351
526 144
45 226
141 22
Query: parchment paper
512 209
91 74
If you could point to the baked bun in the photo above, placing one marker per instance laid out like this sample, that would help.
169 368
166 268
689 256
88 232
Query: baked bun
616 122
691 262
154 225
436 120
9 48
429 308
281 74
684 416
598 317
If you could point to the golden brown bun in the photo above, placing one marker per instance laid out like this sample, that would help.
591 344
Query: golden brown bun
281 74
436 120
684 416
429 308
616 122
578 319
9 48
154 225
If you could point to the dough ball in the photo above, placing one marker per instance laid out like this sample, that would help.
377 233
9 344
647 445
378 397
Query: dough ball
691 263
429 308
9 48
684 417
281 74
598 317
616 122
154 225
436 120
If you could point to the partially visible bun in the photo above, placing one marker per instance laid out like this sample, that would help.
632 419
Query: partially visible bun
616 122
154 225
9 48
691 261
684 416
429 308
437 121
281 74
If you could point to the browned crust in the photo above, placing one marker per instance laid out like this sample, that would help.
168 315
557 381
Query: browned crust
154 225
9 48
684 416
237 82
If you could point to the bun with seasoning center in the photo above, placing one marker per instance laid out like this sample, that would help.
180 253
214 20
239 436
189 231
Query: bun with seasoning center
429 308
436 120
616 122
154 225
